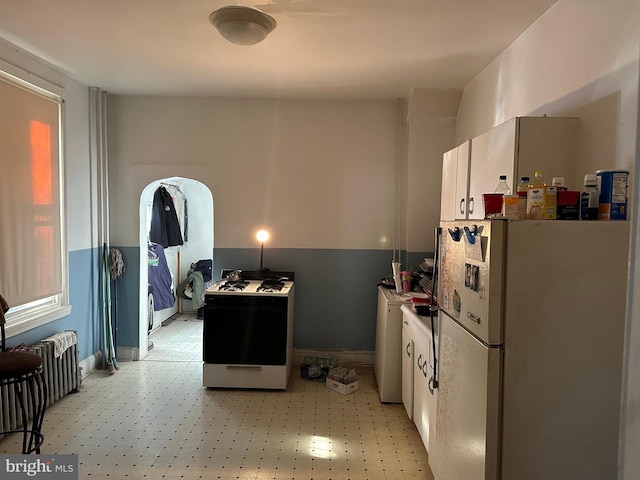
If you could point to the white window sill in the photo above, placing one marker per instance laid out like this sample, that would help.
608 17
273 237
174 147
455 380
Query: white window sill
18 325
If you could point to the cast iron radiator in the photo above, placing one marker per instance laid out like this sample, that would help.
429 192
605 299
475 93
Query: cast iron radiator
61 375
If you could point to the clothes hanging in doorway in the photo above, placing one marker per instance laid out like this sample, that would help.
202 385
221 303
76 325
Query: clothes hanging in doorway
165 228
160 278
180 204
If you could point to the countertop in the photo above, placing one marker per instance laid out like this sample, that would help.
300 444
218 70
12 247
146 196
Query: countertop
421 324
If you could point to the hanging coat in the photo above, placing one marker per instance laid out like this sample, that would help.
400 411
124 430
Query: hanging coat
180 204
165 228
160 278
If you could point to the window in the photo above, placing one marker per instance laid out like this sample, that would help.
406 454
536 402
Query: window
32 258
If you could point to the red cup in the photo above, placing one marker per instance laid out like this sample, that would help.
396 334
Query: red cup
492 204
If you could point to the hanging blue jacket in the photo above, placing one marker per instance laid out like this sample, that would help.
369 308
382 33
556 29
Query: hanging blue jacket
165 228
160 278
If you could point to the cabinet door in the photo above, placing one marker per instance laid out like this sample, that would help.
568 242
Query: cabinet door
448 194
462 180
432 393
421 388
493 154
455 183
407 368
477 177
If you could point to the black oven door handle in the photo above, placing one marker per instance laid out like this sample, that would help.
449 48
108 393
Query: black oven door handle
244 367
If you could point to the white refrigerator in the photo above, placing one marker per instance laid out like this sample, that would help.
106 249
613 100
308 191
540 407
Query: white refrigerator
530 349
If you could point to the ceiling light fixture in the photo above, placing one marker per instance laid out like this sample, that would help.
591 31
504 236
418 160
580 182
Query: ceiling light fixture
242 25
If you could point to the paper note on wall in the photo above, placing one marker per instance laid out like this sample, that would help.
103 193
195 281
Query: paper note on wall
473 251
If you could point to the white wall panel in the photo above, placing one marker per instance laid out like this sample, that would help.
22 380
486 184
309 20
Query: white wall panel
428 142
316 174
565 54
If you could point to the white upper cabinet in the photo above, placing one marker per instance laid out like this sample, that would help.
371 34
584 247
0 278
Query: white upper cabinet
493 154
516 148
454 200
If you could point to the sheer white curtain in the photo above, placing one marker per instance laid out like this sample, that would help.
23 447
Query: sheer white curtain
31 267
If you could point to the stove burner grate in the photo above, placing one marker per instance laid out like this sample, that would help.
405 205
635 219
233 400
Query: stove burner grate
233 286
270 286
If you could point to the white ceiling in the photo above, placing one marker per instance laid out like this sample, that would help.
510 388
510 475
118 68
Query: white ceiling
339 49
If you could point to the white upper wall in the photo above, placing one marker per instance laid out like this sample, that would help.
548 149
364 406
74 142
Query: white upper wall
317 174
431 115
577 53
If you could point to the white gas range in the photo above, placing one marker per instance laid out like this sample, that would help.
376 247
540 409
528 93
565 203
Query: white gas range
273 287
248 330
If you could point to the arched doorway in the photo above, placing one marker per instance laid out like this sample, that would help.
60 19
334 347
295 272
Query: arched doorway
198 244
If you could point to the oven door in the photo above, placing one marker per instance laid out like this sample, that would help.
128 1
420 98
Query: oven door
245 330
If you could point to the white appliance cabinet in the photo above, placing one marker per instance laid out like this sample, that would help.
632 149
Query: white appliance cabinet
420 400
519 147
388 354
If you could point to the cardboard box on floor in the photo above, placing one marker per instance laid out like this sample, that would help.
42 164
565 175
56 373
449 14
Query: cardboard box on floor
342 380
343 388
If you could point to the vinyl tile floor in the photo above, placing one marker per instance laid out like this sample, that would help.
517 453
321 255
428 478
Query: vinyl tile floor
153 419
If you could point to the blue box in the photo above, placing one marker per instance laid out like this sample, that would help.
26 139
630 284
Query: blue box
613 194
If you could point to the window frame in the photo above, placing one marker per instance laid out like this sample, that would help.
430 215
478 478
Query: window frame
22 318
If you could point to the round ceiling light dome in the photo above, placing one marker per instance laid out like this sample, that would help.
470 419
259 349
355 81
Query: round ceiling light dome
242 25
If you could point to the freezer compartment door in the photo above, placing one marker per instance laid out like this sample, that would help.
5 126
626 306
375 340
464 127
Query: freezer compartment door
471 270
468 407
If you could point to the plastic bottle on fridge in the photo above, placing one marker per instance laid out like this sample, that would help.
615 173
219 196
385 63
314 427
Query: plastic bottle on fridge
589 198
502 187
523 186
538 180
558 182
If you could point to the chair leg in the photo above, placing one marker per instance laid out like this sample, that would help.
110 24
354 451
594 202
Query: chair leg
36 393
23 414
39 404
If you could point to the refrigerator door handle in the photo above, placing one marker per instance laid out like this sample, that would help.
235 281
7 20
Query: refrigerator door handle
473 318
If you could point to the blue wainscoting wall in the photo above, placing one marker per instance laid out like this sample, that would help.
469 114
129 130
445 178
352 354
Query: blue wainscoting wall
84 288
335 291
335 296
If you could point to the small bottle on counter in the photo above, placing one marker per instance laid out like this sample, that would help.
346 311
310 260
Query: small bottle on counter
558 182
589 198
502 187
538 181
523 186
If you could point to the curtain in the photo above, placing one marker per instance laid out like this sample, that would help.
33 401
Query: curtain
30 199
